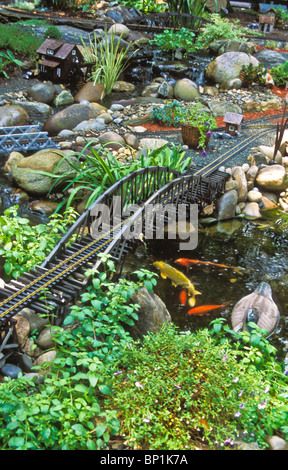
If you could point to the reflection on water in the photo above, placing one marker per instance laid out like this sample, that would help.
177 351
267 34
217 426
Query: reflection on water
261 252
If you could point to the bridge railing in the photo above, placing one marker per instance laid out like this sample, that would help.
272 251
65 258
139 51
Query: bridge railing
133 189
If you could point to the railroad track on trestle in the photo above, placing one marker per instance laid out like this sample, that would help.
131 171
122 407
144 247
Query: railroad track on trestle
61 277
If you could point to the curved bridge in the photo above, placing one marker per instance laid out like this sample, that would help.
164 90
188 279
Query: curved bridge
61 275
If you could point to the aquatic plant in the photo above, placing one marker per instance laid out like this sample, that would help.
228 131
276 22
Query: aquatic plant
107 57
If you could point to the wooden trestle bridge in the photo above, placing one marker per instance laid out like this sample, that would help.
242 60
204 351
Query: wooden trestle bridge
61 275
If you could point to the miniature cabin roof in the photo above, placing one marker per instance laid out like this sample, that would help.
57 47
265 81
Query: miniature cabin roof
270 7
61 49
233 118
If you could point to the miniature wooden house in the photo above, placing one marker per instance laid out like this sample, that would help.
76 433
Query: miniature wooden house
266 23
233 122
59 60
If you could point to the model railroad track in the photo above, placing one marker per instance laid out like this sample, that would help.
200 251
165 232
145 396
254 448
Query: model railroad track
50 288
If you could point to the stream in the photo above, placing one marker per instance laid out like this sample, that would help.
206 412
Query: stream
260 248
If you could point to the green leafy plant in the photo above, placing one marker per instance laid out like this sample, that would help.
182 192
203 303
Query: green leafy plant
101 169
9 59
23 246
169 114
220 28
171 40
147 6
108 59
280 74
66 412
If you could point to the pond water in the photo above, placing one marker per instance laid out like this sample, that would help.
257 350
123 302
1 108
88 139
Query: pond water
261 250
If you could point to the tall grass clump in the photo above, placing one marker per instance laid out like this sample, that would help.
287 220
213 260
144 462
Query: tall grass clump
107 57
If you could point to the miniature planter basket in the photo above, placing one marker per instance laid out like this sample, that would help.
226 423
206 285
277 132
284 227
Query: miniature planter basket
191 136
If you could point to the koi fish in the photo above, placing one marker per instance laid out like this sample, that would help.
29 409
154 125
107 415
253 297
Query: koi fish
183 298
178 279
190 262
205 309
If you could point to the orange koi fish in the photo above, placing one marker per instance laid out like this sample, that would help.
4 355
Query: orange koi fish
183 298
205 309
190 262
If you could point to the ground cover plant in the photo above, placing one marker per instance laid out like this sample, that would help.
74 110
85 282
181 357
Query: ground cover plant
182 390
22 245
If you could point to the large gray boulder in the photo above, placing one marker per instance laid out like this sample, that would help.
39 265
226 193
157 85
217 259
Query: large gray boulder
186 90
228 66
25 171
272 178
227 205
69 118
271 58
42 92
13 116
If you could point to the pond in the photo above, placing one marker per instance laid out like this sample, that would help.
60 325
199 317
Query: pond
260 248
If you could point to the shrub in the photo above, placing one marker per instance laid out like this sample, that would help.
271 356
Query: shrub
178 390
280 74
171 40
52 32
14 38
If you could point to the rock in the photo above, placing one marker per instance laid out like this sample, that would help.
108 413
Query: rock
272 178
34 107
271 104
68 118
239 175
186 90
131 140
121 85
44 207
251 174
277 443
271 58
151 143
210 91
120 30
112 140
227 45
228 66
251 211
151 90
95 125
22 328
251 107
90 92
13 116
220 108
10 370
254 196
49 160
48 356
166 90
151 315
227 205
64 98
257 159
36 322
42 92
231 184
45 339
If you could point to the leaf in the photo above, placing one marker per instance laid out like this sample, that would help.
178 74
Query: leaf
100 429
104 389
16 441
79 429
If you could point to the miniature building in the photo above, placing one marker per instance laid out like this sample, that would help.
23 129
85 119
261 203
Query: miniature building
266 23
59 60
233 122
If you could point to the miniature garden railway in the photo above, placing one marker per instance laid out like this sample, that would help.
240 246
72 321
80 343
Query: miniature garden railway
50 288
24 139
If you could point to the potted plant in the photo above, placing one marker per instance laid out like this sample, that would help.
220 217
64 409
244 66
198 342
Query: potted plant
196 126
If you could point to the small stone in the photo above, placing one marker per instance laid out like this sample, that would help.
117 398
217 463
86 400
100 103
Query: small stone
10 370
